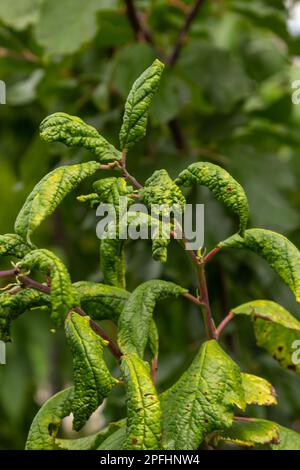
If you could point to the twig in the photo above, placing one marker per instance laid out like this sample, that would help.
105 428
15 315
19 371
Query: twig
142 33
31 283
129 177
223 323
192 298
154 366
184 31
204 298
23 55
9 273
211 254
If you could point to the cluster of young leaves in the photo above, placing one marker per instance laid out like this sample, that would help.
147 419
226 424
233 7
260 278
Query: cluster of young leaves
201 405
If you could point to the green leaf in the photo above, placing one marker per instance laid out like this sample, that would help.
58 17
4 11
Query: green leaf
288 440
63 295
112 262
252 432
13 245
115 441
277 250
74 132
48 194
101 302
160 189
93 441
92 379
224 187
135 320
203 399
20 13
46 424
65 26
275 330
137 105
13 305
144 420
258 391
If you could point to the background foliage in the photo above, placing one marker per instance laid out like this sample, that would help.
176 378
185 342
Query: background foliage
225 97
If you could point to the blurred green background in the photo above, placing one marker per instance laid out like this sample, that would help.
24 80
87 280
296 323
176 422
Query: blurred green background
226 99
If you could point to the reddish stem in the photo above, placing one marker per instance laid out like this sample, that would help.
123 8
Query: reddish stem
204 299
223 323
211 254
9 273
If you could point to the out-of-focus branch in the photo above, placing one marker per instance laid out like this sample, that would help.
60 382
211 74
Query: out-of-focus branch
140 30
184 31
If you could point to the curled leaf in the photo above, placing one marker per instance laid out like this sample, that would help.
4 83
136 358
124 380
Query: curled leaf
74 132
258 391
46 424
13 305
100 301
144 420
224 187
63 296
160 189
92 379
275 330
12 244
48 194
281 254
112 262
288 439
252 432
137 105
203 399
135 320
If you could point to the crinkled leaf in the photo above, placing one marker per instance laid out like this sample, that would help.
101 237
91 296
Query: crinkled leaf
137 105
203 399
277 250
13 305
112 262
63 295
12 244
74 132
275 329
48 194
224 187
134 322
46 424
252 432
144 419
288 440
101 302
258 391
160 189
92 379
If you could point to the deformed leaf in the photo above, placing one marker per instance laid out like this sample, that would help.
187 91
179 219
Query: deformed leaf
92 379
160 189
224 187
46 424
288 440
48 194
137 105
135 319
281 254
203 399
63 295
251 432
275 329
258 391
13 305
144 419
112 262
74 132
12 244
100 301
